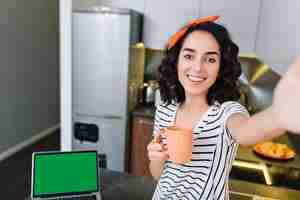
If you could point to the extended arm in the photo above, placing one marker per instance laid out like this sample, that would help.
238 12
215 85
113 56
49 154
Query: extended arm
282 115
250 130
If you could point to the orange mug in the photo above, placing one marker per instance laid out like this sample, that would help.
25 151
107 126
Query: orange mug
179 144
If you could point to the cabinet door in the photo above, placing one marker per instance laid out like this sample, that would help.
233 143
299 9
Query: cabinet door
137 5
278 41
239 17
141 137
111 142
164 18
98 77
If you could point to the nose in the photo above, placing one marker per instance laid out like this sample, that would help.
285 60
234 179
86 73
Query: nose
198 65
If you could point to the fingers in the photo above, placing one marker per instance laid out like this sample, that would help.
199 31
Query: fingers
158 137
156 151
159 156
154 146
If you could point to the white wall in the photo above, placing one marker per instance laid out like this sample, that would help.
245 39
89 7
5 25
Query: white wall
137 5
29 69
65 13
83 3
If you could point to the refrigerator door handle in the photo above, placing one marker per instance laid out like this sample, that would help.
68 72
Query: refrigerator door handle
100 116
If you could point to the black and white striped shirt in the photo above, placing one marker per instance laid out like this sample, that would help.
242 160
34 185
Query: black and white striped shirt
214 149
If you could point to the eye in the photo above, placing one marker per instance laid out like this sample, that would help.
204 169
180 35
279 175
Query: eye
188 56
211 60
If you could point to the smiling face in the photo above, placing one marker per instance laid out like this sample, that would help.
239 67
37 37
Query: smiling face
198 63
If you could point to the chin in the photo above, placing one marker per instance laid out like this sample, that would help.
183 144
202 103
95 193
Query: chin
196 92
192 89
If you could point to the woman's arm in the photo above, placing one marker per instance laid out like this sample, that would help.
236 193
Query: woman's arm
250 130
156 168
156 153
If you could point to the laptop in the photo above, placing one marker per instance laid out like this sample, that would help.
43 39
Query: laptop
65 175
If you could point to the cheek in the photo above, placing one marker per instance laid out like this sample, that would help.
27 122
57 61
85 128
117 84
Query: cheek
180 70
214 72
180 74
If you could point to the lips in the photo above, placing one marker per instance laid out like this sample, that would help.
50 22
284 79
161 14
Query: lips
195 78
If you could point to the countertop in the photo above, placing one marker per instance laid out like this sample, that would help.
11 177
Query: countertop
117 186
247 154
144 111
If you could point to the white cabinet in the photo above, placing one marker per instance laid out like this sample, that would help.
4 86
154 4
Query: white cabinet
164 17
239 17
278 40
137 5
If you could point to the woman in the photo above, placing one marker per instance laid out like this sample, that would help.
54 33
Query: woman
198 87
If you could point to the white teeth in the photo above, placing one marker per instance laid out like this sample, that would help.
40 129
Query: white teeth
195 78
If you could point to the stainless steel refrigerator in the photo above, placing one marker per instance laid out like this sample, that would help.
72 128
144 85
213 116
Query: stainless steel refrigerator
105 80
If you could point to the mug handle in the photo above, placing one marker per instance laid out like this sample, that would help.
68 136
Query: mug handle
157 138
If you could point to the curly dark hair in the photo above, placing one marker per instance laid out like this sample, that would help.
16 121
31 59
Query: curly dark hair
224 89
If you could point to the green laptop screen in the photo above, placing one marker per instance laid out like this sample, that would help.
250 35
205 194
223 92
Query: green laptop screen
65 173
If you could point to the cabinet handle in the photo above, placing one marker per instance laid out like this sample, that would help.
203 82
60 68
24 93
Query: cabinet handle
146 122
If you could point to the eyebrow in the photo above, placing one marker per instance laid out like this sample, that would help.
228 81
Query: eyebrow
212 53
188 49
207 53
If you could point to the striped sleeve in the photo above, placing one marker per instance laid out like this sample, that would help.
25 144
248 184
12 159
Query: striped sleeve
230 108
156 126
163 116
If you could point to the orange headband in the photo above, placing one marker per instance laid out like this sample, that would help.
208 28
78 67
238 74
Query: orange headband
174 38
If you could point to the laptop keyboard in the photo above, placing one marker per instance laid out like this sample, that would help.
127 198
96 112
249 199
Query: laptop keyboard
92 197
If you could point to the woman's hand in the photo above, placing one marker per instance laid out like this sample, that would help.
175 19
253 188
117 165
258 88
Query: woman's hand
286 101
156 151
157 155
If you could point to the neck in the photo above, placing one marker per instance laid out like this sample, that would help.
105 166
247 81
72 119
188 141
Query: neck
195 104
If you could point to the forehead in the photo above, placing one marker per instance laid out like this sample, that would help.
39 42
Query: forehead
202 41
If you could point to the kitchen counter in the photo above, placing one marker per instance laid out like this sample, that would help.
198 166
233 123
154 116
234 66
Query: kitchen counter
117 186
144 111
259 190
247 154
